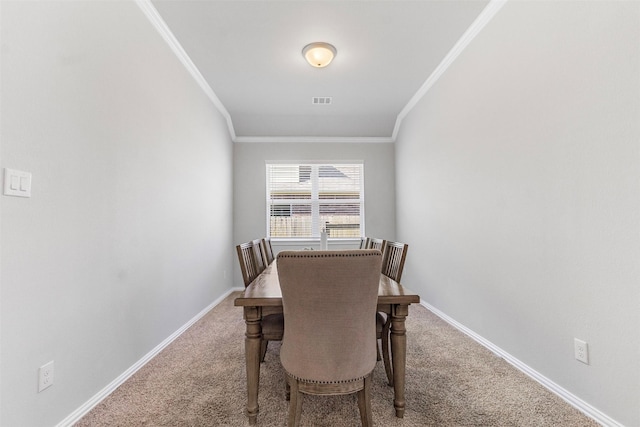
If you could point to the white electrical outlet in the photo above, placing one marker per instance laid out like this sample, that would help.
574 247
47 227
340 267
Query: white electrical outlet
45 376
581 350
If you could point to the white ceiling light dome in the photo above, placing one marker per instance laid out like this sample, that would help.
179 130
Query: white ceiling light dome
319 54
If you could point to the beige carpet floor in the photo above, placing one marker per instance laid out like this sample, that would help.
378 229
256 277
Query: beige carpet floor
199 380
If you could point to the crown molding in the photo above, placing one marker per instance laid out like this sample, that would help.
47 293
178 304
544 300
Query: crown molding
483 19
156 20
314 139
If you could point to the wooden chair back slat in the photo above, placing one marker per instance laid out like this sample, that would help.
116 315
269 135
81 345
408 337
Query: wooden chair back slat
261 258
363 242
393 258
373 243
268 250
247 260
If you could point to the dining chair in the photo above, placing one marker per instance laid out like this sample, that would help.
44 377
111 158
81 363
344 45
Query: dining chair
393 257
261 257
363 242
272 324
329 301
373 243
268 250
381 320
247 259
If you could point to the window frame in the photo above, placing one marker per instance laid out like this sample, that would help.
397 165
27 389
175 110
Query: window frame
315 201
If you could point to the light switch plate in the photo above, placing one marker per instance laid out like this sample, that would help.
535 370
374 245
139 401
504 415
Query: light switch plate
17 183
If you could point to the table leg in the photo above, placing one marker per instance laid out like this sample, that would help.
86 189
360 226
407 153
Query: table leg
399 354
253 319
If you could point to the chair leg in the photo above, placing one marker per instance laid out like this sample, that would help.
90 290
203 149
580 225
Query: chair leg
295 405
386 351
364 403
263 349
287 388
378 357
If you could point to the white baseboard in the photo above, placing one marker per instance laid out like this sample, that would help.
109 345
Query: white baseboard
567 396
76 415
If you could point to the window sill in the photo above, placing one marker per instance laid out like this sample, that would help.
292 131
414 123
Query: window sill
284 244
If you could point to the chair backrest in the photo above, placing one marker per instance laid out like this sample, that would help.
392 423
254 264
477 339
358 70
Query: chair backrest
373 243
363 242
247 259
329 300
393 257
268 250
261 258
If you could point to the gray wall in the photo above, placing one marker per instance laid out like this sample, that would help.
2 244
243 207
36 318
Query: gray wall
519 183
249 185
126 236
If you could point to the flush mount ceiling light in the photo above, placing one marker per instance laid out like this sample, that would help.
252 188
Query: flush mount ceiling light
319 54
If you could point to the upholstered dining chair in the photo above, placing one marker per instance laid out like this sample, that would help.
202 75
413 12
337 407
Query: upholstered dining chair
393 257
268 250
272 324
329 300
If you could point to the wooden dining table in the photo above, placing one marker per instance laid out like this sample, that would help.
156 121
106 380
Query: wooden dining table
263 297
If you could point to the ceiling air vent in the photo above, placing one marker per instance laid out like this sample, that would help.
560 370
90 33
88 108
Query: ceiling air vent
321 100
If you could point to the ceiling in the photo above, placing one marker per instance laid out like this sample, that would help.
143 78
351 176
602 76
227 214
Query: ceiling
249 54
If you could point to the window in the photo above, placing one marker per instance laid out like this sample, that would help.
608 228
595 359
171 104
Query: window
304 198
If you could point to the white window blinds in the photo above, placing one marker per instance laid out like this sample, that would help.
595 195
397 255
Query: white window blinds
305 198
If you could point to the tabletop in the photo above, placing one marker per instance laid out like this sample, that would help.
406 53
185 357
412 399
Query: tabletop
265 291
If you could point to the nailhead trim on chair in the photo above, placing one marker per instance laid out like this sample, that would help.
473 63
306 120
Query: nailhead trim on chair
306 254
328 382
